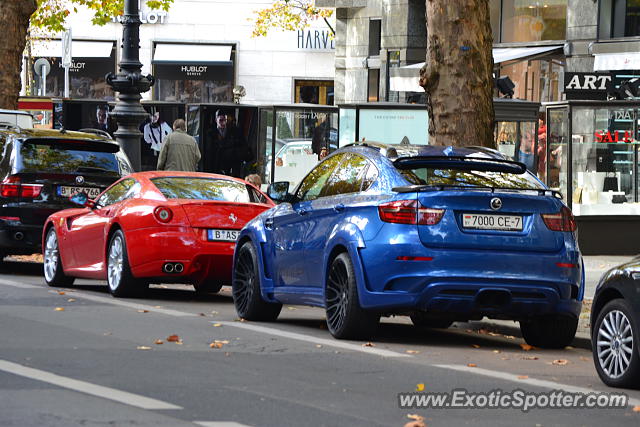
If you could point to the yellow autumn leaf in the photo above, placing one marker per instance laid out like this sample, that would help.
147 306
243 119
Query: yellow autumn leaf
59 309
420 387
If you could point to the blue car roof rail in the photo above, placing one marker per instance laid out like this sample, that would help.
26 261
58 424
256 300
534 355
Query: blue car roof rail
384 149
442 187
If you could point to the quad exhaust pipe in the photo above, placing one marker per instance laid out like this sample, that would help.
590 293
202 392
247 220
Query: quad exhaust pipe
173 267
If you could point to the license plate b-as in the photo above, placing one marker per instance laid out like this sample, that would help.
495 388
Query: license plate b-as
222 235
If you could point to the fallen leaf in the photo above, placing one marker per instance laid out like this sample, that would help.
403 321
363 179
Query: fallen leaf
585 359
173 338
318 346
420 387
59 308
218 344
202 315
291 308
158 306
159 342
636 408
483 331
493 334
523 377
560 362
505 358
217 325
368 344
143 347
530 358
418 421
413 351
214 312
143 311
415 417
71 300
496 351
475 346
61 292
510 337
568 347
526 347
227 354
107 334
472 365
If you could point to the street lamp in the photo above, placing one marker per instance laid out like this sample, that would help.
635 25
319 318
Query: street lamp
129 83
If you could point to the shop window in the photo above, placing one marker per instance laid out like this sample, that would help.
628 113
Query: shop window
619 18
314 92
536 80
557 156
528 20
373 85
375 37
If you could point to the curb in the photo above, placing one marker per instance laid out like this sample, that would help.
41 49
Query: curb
582 339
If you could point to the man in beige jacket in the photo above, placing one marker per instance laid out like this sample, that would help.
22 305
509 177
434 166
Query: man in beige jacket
180 150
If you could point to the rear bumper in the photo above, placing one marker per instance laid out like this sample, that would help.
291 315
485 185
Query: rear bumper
470 284
20 239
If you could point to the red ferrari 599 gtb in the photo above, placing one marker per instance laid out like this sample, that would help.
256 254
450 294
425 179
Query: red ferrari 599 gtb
161 226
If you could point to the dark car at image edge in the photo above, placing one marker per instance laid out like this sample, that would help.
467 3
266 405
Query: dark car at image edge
40 169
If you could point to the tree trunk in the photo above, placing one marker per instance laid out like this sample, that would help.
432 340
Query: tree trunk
457 76
14 21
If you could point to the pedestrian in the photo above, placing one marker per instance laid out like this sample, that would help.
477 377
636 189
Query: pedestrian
180 150
254 179
226 148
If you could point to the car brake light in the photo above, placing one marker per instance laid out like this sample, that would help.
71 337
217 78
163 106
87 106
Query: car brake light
409 212
561 221
163 214
13 187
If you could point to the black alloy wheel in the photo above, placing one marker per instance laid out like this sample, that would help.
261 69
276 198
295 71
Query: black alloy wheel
345 318
246 288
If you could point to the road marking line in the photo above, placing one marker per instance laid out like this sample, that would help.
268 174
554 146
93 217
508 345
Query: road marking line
85 387
529 381
314 340
136 306
219 424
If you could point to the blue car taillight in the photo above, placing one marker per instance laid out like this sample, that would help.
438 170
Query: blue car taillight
561 221
409 212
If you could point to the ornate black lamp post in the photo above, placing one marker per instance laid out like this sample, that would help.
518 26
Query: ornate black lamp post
129 83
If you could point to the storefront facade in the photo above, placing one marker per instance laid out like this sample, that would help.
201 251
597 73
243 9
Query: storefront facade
199 52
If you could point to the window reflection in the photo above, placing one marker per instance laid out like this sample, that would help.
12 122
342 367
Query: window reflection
203 189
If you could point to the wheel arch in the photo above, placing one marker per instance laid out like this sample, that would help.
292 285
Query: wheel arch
606 296
114 227
347 238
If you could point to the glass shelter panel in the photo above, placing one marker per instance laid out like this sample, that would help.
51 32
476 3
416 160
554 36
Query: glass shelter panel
557 155
394 126
308 136
604 161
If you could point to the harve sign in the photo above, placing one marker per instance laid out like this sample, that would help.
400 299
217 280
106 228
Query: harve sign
315 40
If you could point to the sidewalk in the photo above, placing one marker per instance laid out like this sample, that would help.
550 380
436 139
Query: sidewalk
594 266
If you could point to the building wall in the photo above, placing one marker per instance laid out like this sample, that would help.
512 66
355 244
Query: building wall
265 66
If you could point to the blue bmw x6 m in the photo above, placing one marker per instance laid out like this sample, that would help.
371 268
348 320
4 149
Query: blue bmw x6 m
440 234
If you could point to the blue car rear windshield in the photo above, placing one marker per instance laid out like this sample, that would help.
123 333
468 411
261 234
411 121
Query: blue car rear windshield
466 178
66 158
202 189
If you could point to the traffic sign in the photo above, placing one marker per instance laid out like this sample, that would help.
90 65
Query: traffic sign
66 48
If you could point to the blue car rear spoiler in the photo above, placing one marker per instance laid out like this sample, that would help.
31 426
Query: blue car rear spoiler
442 187
461 163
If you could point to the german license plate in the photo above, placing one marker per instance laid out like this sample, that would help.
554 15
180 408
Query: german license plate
67 191
492 222
215 235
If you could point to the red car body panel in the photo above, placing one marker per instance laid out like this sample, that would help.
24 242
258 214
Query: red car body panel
83 234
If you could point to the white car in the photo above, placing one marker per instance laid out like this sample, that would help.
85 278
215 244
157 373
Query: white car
16 118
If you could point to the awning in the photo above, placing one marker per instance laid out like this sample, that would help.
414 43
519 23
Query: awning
173 53
617 61
79 49
405 79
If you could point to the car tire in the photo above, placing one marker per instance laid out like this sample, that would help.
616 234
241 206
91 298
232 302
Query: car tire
209 287
549 331
421 320
345 318
246 290
119 278
615 326
52 263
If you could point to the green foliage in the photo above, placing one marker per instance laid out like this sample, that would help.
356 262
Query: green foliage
289 15
51 15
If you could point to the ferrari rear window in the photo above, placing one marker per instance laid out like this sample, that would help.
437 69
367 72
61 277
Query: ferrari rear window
184 187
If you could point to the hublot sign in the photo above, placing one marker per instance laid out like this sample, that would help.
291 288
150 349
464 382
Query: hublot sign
194 70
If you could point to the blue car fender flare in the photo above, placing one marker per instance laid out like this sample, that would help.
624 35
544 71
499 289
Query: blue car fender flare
349 236
256 235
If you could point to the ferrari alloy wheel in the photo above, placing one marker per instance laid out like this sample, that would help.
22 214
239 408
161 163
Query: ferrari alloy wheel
53 271
121 281
345 318
615 341
549 331
246 288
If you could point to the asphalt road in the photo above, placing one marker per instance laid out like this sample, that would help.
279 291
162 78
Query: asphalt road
106 361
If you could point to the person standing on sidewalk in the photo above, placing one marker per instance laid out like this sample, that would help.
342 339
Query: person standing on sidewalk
180 151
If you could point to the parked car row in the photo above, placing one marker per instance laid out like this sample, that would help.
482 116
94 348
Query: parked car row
439 234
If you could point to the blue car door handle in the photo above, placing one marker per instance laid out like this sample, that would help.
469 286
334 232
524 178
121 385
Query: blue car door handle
339 207
268 223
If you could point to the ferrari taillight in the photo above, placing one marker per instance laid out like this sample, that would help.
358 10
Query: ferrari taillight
13 187
163 214
561 221
409 212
